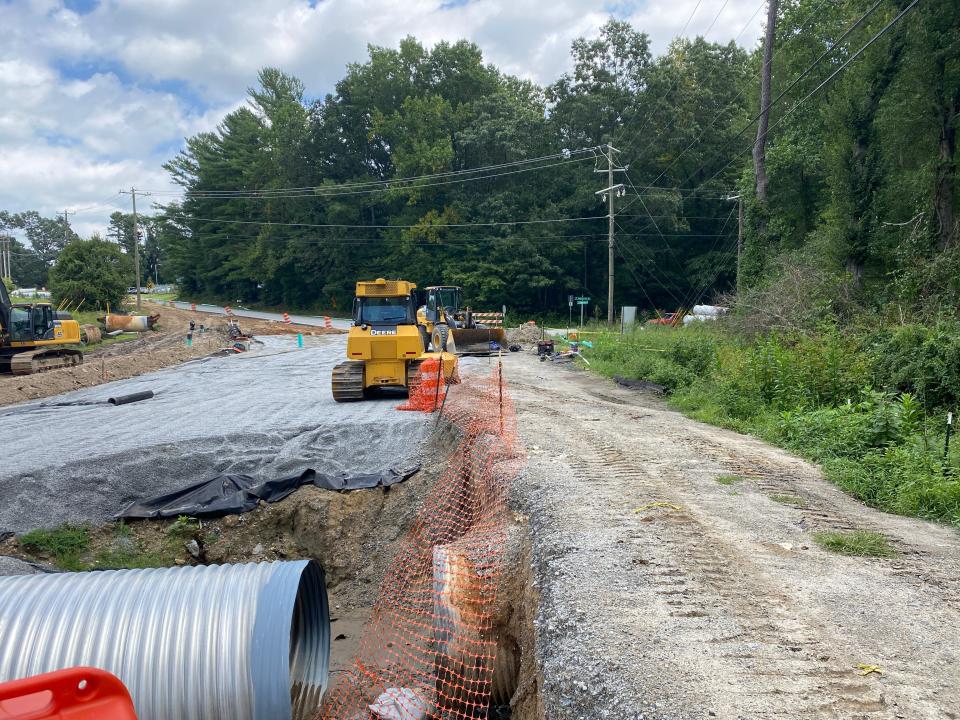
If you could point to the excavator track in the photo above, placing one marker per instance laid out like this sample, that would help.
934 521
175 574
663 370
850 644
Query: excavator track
40 360
347 381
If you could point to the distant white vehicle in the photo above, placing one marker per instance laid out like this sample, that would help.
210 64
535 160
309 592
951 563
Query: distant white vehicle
32 293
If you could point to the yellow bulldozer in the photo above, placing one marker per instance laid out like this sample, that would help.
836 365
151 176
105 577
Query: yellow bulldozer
32 336
385 345
452 328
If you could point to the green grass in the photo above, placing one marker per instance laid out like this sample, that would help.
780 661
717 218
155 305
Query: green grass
729 479
70 547
789 500
64 545
860 543
830 397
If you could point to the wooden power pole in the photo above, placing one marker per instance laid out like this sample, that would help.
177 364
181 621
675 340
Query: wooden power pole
608 193
136 241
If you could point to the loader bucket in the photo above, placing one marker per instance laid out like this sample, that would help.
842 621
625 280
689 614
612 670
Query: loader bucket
475 341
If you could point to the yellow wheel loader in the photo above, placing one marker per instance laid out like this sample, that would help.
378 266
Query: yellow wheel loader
32 336
385 346
453 329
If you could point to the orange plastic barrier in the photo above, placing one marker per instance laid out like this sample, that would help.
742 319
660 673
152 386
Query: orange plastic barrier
429 649
80 693
327 323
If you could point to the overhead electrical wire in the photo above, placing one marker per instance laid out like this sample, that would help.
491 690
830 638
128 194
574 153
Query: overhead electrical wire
673 87
813 92
388 227
739 94
381 185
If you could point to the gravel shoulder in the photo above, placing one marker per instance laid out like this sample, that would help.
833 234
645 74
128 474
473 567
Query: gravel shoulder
665 594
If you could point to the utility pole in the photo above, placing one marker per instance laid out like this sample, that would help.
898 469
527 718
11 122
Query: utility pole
136 240
608 194
66 226
739 199
5 270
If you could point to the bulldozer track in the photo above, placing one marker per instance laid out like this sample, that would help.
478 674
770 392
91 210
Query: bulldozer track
347 381
699 582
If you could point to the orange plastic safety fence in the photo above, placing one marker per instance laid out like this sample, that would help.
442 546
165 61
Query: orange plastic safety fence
428 650
428 392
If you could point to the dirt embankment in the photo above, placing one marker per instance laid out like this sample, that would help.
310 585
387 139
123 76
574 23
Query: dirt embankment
153 350
667 594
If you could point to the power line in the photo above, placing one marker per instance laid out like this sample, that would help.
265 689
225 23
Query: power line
388 227
215 196
817 89
716 117
651 270
379 185
646 120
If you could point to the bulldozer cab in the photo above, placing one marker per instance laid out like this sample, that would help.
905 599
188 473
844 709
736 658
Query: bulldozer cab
5 305
383 302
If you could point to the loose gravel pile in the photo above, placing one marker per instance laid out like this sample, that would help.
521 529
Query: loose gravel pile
524 334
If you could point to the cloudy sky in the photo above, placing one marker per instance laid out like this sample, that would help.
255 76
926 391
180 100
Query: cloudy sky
96 94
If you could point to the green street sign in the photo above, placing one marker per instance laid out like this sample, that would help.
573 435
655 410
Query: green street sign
583 301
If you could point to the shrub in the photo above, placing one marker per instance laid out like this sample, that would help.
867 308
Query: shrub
94 271
924 361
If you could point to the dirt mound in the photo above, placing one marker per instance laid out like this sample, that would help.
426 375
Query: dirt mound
524 334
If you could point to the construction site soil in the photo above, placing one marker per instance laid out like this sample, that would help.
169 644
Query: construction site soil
161 347
638 586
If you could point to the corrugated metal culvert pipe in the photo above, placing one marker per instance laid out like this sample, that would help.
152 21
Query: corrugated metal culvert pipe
237 642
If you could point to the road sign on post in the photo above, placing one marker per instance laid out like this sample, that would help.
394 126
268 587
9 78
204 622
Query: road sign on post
582 302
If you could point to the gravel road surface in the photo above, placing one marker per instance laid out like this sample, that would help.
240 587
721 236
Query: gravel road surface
268 412
664 594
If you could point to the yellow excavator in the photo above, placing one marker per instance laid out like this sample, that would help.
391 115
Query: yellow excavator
32 336
453 328
385 345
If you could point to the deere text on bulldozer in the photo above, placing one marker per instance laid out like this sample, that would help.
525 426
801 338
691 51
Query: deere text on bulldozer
32 336
385 346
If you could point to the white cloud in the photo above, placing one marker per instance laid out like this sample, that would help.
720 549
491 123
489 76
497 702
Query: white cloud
89 102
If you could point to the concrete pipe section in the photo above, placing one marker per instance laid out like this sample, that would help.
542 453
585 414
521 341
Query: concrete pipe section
244 642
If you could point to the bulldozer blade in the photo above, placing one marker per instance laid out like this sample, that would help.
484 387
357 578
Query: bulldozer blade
475 341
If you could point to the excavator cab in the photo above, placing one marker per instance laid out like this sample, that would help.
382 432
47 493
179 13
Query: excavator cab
385 345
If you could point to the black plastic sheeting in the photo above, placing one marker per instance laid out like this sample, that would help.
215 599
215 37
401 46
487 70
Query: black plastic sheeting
234 494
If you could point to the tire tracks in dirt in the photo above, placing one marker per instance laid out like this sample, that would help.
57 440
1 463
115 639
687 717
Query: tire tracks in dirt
693 599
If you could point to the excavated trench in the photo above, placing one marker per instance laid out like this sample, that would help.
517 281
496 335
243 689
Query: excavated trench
356 536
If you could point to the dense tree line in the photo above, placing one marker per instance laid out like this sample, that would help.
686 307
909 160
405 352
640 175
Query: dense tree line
432 165
412 112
